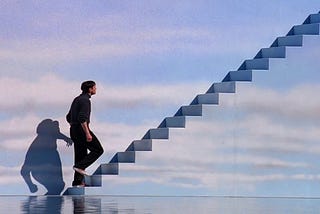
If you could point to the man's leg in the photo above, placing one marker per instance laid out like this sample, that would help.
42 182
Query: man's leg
96 151
80 152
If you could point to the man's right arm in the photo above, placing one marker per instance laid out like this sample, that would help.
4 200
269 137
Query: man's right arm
86 130
83 118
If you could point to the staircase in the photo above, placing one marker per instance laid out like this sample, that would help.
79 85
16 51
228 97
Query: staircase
294 38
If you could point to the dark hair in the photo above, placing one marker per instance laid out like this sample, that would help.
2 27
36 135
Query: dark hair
86 85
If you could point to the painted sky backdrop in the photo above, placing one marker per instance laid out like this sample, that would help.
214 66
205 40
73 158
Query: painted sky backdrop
148 59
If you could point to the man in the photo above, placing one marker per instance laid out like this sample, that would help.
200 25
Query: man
84 139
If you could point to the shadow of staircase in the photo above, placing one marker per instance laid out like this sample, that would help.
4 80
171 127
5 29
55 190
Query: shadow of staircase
278 49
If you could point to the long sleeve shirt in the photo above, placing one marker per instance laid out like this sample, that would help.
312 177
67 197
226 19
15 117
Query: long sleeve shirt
80 110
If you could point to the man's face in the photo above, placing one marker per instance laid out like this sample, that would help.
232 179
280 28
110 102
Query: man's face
93 90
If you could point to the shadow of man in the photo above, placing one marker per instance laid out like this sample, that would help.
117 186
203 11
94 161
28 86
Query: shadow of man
42 159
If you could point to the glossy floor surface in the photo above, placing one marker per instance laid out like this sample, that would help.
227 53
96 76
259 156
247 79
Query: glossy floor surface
153 204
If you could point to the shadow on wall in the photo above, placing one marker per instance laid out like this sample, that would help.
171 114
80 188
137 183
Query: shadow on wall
42 160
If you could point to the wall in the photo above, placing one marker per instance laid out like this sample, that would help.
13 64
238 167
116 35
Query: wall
261 141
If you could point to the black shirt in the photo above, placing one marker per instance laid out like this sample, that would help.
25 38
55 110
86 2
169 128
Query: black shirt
80 110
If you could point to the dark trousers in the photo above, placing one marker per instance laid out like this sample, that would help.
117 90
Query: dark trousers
83 159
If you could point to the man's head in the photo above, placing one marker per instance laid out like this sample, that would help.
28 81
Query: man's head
89 87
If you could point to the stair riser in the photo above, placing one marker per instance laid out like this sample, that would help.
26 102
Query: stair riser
93 181
191 110
238 76
159 134
255 64
107 169
210 98
313 18
308 29
175 122
279 52
123 157
223 87
290 41
140 146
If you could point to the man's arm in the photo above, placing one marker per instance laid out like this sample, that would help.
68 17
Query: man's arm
83 117
86 130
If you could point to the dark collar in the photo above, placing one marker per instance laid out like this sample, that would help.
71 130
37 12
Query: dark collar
86 94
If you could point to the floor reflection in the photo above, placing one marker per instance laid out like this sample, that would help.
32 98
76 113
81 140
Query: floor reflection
158 205
83 204
38 204
60 204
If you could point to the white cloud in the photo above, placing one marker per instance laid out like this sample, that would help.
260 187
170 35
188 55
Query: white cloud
298 102
206 145
9 175
255 145
23 96
111 36
49 91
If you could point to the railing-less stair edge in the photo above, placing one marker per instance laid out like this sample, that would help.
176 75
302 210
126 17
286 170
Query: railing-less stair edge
294 38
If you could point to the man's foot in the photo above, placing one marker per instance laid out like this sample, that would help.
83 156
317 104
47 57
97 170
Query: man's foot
80 171
80 185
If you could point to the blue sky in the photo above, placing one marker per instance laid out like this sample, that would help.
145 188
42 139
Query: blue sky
148 59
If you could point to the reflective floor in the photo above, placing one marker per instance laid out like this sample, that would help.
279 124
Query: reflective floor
144 204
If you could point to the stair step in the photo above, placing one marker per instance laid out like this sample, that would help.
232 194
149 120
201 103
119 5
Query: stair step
173 122
140 145
74 191
305 29
210 98
93 180
242 75
158 133
294 40
222 87
313 18
123 157
190 110
255 64
107 169
273 52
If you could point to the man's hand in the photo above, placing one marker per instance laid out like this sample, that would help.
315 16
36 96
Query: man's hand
89 137
87 131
